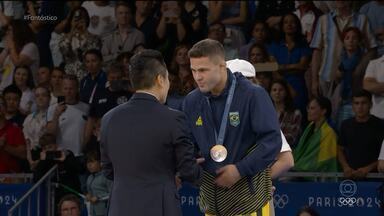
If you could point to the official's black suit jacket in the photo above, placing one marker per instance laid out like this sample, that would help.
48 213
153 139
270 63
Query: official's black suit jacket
143 145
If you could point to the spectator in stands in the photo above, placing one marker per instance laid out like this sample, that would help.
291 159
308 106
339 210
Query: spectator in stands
360 139
60 30
67 119
290 118
76 42
181 79
9 10
259 35
138 48
22 78
12 144
173 27
317 148
350 58
307 211
196 14
12 96
98 186
123 59
374 10
102 17
272 11
125 37
216 31
374 83
95 77
308 15
44 27
56 84
232 14
34 124
20 50
293 55
44 76
69 205
93 144
258 54
68 166
327 45
113 93
146 23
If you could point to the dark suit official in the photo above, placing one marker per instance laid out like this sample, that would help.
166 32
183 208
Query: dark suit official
144 144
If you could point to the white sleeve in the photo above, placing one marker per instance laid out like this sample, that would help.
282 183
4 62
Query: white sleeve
31 51
285 146
381 156
50 112
371 70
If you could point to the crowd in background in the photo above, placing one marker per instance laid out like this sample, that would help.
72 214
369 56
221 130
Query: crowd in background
321 61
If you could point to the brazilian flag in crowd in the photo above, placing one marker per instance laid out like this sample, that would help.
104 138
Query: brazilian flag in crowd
316 151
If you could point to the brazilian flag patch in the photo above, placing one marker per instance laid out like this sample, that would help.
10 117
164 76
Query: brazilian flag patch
234 118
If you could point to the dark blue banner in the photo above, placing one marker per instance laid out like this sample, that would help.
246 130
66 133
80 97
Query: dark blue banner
11 193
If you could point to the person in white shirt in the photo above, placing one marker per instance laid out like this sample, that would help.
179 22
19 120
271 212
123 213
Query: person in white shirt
380 164
67 119
374 83
102 16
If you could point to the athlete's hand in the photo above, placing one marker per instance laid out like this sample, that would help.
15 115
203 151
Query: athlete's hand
227 176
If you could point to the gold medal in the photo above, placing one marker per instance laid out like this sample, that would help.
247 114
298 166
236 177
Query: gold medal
218 153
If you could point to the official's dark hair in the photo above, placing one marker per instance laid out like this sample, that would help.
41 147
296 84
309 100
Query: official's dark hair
362 93
145 66
326 104
95 52
207 48
12 89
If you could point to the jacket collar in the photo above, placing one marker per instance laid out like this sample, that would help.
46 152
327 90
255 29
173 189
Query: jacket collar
144 96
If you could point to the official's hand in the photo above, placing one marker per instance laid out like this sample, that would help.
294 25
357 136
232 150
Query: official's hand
227 176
